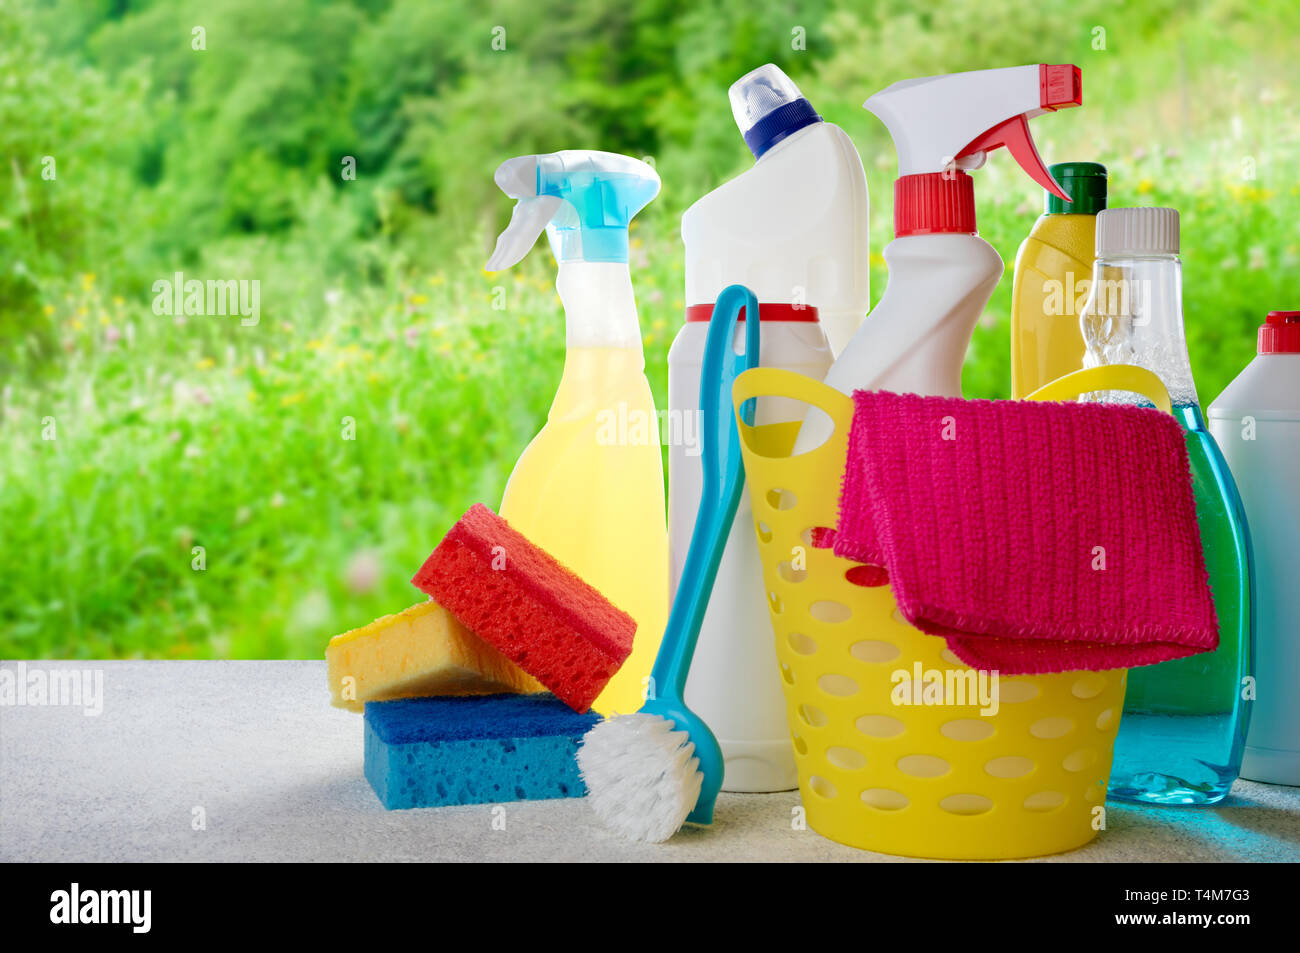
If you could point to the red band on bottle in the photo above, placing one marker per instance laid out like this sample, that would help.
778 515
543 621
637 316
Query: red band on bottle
767 311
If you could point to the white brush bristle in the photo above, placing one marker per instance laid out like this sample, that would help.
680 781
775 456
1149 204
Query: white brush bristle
642 777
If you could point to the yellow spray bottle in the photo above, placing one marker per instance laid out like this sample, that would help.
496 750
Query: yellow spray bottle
589 488
1052 278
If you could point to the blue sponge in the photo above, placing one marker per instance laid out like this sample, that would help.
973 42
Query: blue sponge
430 752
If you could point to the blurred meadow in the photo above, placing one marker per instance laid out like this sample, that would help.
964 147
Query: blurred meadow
181 486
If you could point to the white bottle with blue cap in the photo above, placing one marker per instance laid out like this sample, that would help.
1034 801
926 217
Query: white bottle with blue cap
794 230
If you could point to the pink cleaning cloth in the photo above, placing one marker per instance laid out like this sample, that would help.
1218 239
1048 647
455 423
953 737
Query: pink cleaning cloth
1034 537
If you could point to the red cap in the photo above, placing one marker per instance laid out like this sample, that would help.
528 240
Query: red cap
1280 334
767 311
934 203
1060 87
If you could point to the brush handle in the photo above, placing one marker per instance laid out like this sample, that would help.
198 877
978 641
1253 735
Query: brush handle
724 477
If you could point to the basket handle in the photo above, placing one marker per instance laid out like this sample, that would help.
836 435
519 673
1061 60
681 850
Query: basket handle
1127 377
778 382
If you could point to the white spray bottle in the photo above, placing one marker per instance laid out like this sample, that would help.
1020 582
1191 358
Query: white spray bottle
941 273
589 488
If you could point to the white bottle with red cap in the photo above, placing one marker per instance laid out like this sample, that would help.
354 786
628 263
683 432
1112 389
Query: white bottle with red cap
1256 423
793 229
941 273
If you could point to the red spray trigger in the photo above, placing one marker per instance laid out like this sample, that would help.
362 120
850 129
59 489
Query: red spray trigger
1014 134
1060 87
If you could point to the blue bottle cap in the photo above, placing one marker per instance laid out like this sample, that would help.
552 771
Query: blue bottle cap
769 107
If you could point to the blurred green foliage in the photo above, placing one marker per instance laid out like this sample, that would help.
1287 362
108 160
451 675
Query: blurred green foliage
228 161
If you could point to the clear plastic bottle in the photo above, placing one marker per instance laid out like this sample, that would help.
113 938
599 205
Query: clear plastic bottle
1183 729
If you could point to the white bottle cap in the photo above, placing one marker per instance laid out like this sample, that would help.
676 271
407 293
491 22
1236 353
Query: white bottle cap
768 106
1137 231
759 92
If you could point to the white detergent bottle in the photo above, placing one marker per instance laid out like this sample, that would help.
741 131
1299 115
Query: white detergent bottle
1256 423
941 273
794 230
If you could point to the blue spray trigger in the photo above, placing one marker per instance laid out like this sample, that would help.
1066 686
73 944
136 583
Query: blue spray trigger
596 209
585 201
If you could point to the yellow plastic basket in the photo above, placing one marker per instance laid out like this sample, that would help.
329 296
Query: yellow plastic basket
922 780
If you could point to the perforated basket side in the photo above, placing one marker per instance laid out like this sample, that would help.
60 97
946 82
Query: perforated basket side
879 767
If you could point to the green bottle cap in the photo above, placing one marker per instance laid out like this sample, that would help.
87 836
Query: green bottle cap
1084 182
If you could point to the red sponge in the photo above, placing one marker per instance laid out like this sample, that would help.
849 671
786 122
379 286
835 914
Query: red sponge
535 612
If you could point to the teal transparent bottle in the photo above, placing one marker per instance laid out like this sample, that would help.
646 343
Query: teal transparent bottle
1183 729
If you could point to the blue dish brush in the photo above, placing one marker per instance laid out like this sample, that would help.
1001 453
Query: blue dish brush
649 772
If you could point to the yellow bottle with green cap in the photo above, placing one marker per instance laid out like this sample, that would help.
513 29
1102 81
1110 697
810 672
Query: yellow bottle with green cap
1052 278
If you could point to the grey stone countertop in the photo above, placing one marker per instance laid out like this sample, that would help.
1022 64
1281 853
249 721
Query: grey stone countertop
246 761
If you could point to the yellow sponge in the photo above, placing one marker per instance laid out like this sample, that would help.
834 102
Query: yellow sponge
418 652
